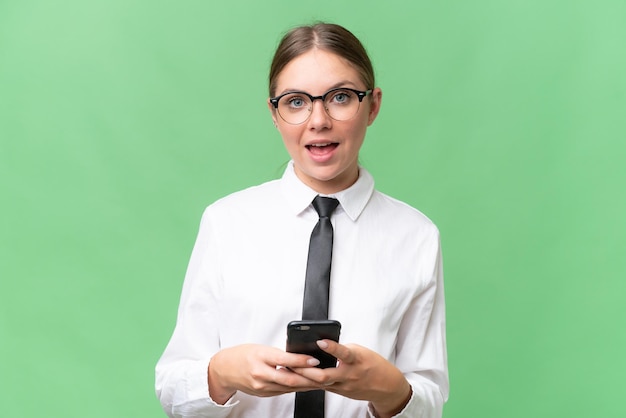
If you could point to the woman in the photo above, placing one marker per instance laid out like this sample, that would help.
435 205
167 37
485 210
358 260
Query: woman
245 279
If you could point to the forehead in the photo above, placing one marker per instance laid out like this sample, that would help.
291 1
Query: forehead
317 71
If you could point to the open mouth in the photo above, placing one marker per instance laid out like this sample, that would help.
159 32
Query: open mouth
321 149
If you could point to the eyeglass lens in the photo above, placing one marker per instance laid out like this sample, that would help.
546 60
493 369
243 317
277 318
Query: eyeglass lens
295 108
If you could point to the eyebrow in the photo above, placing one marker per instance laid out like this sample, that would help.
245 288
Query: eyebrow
344 83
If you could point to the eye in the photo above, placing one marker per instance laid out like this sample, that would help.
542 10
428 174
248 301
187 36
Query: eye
342 97
295 102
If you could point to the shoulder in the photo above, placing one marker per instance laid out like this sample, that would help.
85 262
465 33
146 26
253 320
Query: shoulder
399 215
242 202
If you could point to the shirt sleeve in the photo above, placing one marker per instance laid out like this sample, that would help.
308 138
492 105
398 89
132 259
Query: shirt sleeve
421 349
181 381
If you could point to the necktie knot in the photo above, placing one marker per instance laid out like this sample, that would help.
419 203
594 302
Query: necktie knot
324 206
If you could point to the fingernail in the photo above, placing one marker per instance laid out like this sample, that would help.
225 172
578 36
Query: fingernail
313 362
322 344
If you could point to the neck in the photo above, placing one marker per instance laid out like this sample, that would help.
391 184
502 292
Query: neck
334 185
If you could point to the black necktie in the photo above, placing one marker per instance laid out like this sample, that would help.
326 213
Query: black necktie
316 287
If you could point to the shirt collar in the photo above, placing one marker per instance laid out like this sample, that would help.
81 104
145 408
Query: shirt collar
352 200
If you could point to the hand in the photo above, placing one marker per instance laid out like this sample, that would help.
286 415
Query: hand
257 370
362 374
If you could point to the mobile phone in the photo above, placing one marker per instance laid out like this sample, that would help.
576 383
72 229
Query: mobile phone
302 337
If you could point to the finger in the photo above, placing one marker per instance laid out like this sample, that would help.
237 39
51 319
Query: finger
295 381
278 382
342 352
330 379
292 360
319 377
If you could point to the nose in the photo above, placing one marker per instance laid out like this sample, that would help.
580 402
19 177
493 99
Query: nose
319 117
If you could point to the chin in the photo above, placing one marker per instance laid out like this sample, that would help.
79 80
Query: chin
332 178
324 175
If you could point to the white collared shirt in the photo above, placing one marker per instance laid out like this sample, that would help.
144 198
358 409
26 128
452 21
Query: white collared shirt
245 282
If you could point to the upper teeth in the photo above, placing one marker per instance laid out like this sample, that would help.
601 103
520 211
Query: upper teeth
320 145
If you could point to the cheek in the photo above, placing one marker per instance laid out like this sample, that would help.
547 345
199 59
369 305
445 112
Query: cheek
357 132
289 134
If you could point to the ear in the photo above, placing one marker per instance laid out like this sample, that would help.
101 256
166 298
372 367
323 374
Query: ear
272 110
376 99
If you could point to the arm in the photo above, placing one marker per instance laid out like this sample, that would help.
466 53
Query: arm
181 373
196 376
421 347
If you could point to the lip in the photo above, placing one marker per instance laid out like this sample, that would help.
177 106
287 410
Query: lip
321 150
319 141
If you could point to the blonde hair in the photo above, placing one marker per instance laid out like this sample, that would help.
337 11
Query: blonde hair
325 36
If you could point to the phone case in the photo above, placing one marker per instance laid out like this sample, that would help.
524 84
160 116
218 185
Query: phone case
302 337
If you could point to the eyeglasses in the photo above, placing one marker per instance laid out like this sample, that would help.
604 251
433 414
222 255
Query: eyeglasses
295 107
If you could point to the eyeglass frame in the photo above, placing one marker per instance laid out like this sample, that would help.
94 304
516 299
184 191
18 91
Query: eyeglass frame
359 93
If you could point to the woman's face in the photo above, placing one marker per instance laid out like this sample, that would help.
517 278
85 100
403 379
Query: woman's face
325 151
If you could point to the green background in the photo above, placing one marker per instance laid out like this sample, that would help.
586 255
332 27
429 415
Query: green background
503 121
